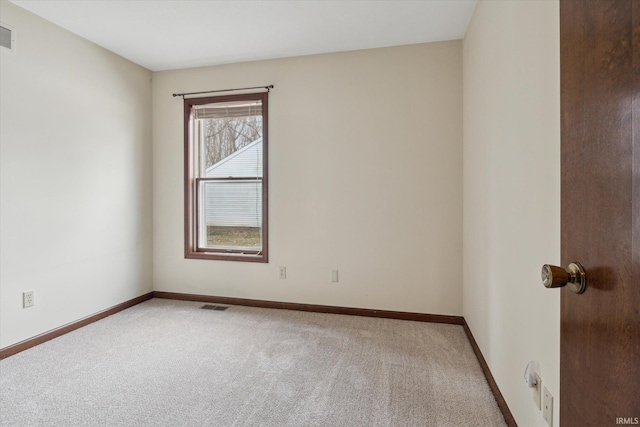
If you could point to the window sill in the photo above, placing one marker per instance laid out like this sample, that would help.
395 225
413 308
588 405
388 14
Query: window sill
219 256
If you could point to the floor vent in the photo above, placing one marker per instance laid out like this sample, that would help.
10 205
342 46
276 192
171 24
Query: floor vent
214 307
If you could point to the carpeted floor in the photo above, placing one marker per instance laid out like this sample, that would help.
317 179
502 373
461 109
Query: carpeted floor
171 363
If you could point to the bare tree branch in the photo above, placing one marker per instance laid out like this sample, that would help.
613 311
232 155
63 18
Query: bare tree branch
223 137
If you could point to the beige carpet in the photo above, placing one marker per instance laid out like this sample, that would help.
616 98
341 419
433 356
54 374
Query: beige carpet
171 363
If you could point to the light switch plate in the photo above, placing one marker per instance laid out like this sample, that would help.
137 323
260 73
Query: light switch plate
547 407
334 275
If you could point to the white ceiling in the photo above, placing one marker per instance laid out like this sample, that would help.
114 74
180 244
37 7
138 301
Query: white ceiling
170 34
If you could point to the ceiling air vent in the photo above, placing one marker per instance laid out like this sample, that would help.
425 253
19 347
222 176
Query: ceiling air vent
8 38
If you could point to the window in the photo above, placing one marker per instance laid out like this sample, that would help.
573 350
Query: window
226 177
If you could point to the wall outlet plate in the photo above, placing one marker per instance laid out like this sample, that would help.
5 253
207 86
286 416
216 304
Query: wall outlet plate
27 299
537 391
283 272
547 407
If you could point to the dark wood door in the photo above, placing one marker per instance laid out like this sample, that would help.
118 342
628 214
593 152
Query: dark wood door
600 109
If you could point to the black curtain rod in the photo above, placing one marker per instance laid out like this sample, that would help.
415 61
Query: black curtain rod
268 88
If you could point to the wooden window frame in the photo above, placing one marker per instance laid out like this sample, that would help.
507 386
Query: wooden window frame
190 186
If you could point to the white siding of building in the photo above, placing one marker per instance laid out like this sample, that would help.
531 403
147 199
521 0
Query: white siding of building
247 161
235 203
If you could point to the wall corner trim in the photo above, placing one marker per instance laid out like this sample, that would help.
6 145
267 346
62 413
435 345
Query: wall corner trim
502 404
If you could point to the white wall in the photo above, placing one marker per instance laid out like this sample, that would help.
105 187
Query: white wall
512 193
365 176
75 178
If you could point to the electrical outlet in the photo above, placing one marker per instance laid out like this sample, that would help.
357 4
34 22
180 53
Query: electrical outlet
283 272
334 275
537 391
27 299
547 407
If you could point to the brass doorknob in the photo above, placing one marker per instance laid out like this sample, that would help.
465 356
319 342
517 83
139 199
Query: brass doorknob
556 277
